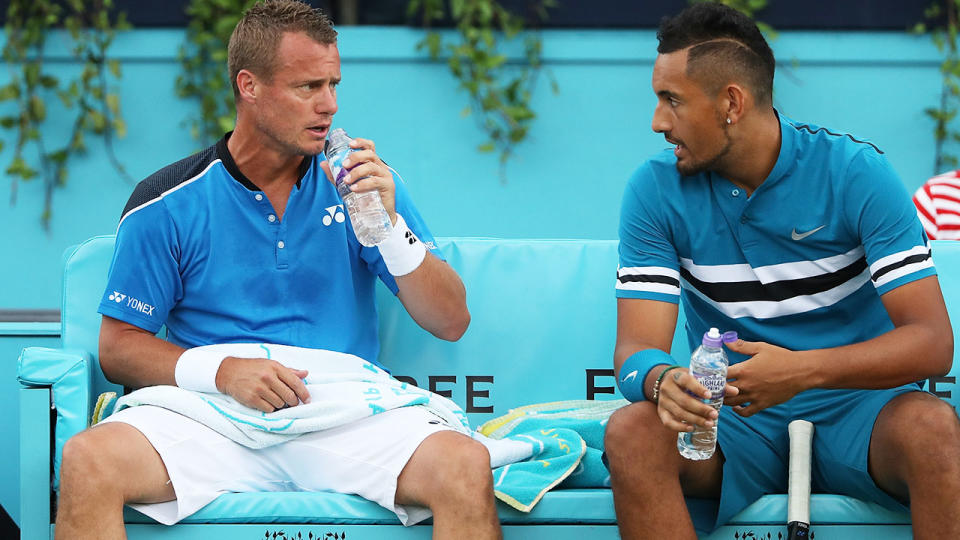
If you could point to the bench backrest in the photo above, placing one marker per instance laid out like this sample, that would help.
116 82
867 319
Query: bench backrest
543 322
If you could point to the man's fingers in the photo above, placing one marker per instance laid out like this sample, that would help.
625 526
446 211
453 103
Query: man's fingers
680 414
733 401
744 347
261 405
688 383
363 143
359 157
370 183
748 410
293 379
670 423
282 389
272 398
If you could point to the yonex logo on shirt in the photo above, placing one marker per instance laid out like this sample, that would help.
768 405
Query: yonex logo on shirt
334 213
132 303
142 307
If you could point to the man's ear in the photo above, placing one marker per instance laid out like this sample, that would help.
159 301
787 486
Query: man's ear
735 102
247 86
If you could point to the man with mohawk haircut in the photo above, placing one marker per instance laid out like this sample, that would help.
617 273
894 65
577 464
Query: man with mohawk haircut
805 242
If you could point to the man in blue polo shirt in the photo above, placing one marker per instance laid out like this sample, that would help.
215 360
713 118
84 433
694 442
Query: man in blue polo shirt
248 242
804 241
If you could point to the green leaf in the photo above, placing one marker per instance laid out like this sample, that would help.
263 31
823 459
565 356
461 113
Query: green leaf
96 121
114 67
10 91
31 73
38 111
120 127
226 123
59 157
486 147
113 103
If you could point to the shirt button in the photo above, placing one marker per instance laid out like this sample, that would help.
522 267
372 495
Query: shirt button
743 219
735 192
280 244
271 218
258 197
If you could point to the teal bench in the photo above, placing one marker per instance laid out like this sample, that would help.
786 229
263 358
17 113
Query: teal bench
543 330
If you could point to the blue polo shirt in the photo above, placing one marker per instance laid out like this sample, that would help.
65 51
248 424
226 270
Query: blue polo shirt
801 263
200 250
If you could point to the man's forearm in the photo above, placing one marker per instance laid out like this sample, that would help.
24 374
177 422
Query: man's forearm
903 355
435 297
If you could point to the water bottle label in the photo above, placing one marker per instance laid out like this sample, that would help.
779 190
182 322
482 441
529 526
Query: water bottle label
715 383
336 167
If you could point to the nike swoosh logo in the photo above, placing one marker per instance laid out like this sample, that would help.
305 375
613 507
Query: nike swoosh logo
797 236
631 375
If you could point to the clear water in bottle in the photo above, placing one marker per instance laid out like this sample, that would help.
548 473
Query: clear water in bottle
709 365
369 218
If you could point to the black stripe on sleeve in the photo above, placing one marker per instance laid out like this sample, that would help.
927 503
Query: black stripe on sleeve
649 278
891 267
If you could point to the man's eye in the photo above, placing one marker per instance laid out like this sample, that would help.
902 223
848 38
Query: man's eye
673 102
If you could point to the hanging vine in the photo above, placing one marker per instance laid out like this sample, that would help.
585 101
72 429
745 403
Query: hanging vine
204 59
943 16
94 102
500 93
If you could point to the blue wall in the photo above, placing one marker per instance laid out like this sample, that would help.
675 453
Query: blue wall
565 180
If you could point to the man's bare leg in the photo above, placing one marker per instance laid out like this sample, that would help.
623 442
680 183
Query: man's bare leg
103 468
915 456
450 473
649 478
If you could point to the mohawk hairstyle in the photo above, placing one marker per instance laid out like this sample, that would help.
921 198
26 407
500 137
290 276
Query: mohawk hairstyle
724 45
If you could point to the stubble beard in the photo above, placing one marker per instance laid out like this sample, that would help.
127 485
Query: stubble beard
712 163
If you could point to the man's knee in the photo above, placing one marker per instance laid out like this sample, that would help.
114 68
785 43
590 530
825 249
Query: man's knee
459 470
114 460
85 461
918 424
631 427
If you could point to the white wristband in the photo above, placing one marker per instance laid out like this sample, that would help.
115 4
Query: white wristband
197 369
402 251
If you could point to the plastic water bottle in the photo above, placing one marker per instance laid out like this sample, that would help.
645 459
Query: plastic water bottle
369 218
709 365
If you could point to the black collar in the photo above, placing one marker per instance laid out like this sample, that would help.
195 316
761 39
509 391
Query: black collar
224 154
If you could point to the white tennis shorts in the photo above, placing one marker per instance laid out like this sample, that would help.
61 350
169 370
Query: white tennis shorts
363 458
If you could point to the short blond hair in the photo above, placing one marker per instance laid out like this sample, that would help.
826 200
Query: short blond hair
254 42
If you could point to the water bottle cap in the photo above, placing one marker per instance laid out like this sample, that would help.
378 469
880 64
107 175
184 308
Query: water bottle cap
730 337
712 338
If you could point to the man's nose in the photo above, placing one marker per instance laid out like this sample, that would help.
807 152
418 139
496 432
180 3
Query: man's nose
327 102
660 123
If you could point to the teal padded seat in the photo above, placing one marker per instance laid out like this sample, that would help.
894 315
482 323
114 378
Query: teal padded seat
543 329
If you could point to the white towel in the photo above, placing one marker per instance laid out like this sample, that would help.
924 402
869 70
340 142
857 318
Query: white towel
343 388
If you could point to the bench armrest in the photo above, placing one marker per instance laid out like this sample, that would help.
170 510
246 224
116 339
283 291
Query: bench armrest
68 375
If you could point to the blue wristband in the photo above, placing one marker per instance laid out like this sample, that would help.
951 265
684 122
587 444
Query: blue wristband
635 369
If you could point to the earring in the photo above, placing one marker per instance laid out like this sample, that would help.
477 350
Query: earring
728 119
